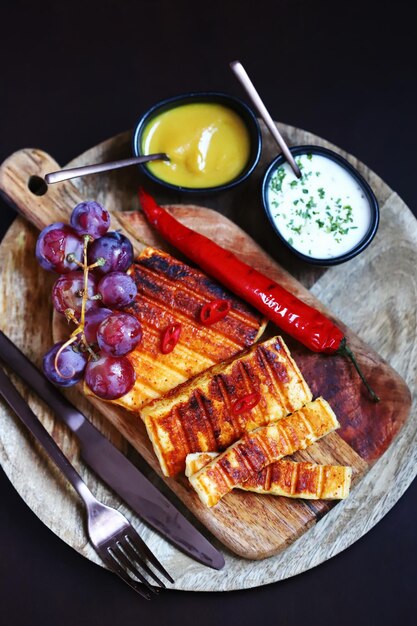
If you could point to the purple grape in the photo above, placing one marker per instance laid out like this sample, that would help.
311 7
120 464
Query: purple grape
53 246
119 334
71 365
92 321
66 292
110 377
90 218
115 249
117 289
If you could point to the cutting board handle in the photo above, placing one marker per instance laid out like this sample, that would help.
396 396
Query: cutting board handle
23 187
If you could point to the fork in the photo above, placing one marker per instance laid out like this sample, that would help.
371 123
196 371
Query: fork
111 534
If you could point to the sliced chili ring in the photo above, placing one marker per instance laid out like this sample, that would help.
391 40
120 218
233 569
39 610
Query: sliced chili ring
214 311
170 337
245 403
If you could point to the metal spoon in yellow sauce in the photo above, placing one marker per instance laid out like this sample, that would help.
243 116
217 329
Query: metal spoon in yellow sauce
208 145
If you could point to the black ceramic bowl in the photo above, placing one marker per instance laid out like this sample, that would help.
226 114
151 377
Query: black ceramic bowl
369 194
232 103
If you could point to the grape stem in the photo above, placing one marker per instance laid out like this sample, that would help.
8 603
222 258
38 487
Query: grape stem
85 291
75 335
58 354
69 314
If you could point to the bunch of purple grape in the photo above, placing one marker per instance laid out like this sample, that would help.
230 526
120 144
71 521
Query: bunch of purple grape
92 291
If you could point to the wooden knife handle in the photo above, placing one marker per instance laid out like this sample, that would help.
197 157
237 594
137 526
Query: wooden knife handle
23 187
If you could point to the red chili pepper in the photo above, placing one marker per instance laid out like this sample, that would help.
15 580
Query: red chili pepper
299 320
245 403
214 311
170 338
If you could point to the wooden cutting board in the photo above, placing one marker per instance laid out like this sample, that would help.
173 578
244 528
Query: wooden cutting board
250 525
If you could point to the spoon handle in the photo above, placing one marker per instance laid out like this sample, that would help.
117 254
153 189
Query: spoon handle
244 79
74 172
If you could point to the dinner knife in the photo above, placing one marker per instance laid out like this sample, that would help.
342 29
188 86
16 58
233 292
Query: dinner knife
112 466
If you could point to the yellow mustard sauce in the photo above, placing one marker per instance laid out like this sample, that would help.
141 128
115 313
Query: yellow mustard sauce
208 145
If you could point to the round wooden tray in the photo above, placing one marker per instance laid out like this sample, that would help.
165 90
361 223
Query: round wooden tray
375 295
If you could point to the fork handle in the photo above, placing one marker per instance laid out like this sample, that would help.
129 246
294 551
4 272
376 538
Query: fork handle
19 405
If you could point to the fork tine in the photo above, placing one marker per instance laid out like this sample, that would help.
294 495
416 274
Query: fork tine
132 554
140 547
117 554
115 567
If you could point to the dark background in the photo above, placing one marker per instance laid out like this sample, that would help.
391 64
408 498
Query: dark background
76 73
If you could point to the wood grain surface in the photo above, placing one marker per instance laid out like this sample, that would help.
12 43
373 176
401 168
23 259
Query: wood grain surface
368 436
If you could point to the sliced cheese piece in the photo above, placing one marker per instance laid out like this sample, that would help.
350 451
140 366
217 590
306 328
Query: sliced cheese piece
261 447
169 292
288 478
200 416
195 461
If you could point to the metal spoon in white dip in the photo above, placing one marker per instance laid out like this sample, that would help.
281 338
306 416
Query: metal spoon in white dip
243 77
328 215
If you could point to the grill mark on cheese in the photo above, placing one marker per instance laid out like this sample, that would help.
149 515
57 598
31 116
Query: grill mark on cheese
271 380
169 269
182 303
278 374
252 384
258 457
165 304
227 408
149 311
308 432
195 287
263 446
203 406
214 426
182 434
182 353
164 281
162 367
285 477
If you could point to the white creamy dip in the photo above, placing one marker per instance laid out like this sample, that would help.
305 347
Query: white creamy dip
325 213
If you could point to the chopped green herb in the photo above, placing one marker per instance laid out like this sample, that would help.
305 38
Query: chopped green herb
277 180
307 213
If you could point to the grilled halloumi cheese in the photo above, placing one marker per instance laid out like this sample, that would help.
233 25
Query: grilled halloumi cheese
199 415
288 478
170 291
260 448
